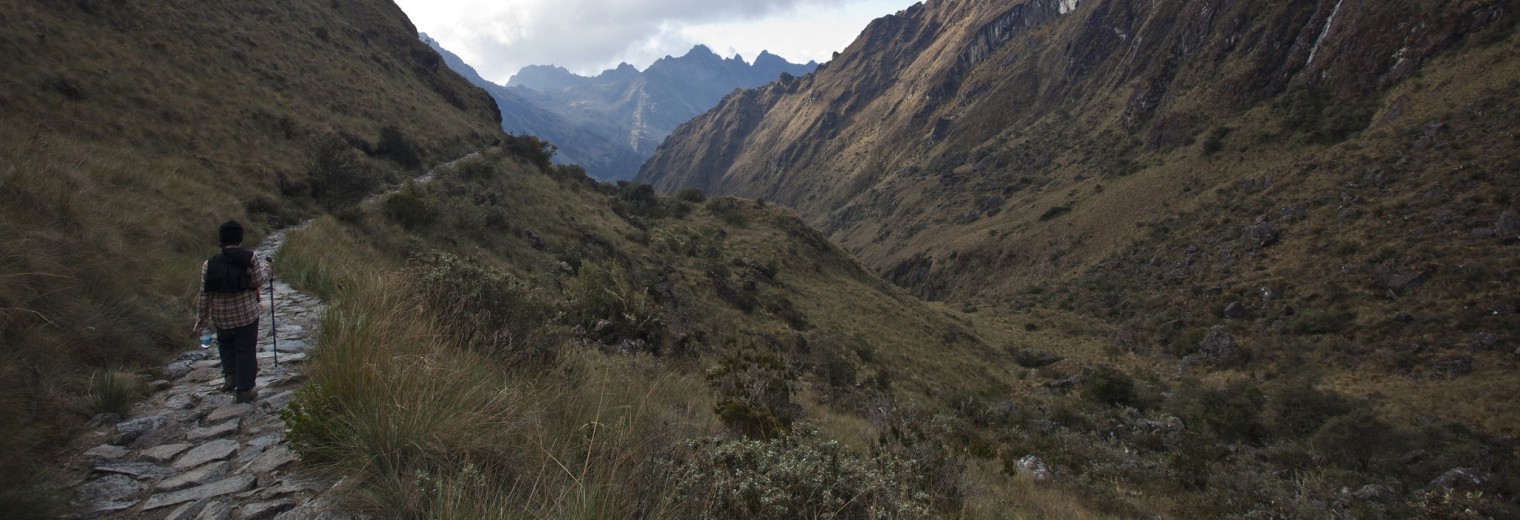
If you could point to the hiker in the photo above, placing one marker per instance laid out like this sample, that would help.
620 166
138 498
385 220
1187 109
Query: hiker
229 301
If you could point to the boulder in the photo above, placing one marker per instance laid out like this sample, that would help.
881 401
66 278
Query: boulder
1459 479
1375 493
1035 467
1218 343
1260 234
1508 226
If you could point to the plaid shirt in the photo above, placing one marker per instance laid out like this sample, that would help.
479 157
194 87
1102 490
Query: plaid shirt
226 311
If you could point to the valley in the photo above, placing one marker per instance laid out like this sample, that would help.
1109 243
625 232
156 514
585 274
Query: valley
1022 259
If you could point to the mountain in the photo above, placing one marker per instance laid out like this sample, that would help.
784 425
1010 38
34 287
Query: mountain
610 123
974 150
1320 185
579 142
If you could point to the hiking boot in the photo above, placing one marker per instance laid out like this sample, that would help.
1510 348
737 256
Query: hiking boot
228 385
247 396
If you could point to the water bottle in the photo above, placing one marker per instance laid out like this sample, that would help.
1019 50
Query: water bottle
205 339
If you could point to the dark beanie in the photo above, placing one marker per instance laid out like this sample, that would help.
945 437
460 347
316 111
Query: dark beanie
231 233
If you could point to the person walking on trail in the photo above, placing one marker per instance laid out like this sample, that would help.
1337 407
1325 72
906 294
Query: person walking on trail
229 301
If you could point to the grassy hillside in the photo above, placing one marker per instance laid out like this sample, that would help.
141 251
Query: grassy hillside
131 131
581 346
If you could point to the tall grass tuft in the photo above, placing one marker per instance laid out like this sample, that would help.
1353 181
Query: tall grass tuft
113 391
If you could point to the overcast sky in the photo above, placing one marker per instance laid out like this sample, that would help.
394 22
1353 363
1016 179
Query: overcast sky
498 37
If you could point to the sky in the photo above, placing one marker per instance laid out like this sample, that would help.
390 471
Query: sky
498 37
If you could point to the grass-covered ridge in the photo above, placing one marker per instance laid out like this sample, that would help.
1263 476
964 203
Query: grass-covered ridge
130 131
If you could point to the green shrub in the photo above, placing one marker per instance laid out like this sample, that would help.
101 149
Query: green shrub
410 209
336 177
1297 408
618 296
692 195
1231 413
754 391
798 476
483 309
1354 440
1109 385
395 146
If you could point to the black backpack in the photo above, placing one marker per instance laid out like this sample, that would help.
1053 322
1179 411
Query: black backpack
228 271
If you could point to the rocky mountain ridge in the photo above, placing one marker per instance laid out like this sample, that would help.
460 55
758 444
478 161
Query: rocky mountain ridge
610 123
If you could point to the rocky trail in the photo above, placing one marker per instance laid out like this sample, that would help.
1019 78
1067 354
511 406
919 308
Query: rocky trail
190 452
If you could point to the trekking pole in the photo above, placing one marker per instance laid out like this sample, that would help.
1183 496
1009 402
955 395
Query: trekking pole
274 334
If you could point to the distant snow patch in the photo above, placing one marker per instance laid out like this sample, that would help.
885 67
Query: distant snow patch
1068 6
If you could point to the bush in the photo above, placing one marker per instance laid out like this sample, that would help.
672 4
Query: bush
1231 413
337 178
484 310
1297 409
800 476
395 146
692 195
1355 439
754 393
1109 385
410 209
615 295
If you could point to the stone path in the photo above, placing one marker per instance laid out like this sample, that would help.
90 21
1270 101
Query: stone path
190 452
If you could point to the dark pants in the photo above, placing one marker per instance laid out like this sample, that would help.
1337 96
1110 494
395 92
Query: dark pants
239 350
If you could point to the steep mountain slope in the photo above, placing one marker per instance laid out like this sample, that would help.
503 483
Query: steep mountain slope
610 123
967 105
977 150
131 131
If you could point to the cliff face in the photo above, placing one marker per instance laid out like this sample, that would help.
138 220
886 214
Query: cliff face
953 112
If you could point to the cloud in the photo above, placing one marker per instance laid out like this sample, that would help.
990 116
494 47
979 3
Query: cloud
501 36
